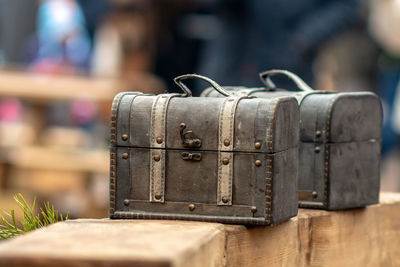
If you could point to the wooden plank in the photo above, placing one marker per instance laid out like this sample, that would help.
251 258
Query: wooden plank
46 158
360 237
120 243
62 87
42 87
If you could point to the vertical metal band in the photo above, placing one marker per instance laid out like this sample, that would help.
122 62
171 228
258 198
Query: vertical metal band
115 113
225 149
327 153
157 147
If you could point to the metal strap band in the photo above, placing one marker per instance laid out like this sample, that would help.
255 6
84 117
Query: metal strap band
157 145
302 95
225 147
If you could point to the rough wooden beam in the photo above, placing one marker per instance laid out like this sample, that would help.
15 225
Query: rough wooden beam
139 243
360 237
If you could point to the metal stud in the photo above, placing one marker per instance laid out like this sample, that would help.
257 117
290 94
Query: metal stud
317 133
191 207
126 202
124 137
258 163
225 161
253 209
257 145
157 158
159 140
191 143
157 196
227 142
317 149
125 155
225 199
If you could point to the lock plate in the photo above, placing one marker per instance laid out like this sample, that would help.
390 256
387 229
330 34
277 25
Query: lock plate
191 156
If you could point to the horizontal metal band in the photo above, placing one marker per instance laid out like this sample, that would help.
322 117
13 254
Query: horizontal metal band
189 217
311 205
194 208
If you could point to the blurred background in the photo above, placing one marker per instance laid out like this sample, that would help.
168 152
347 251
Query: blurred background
62 62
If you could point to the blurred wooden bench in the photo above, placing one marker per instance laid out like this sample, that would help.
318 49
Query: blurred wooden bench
43 87
359 237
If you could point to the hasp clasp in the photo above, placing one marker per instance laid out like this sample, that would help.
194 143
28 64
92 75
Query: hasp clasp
189 139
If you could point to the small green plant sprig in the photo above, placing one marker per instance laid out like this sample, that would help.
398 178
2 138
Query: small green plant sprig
30 222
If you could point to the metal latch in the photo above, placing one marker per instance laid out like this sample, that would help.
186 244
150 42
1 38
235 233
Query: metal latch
191 156
189 139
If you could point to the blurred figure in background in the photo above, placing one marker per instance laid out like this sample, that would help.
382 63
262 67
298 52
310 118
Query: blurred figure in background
264 34
63 41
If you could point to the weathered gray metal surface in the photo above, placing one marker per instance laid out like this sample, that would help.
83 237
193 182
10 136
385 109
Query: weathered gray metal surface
340 144
263 152
344 131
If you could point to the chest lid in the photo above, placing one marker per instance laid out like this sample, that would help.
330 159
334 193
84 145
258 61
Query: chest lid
333 117
341 117
179 121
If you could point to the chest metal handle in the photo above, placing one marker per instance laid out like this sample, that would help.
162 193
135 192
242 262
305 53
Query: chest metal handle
186 90
266 79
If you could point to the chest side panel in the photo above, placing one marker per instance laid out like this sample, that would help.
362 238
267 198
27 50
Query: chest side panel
312 179
353 174
284 169
340 136
189 183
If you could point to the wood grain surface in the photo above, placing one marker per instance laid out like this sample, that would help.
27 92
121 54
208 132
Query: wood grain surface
360 237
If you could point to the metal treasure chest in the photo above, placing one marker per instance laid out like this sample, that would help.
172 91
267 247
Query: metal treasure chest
340 143
230 160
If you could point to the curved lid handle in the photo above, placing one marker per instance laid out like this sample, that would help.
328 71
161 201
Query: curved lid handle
265 78
186 90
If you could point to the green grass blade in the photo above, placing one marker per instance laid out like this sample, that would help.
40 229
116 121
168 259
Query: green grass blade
30 221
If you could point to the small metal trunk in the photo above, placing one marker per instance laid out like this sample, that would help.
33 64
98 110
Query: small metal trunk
340 144
230 160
